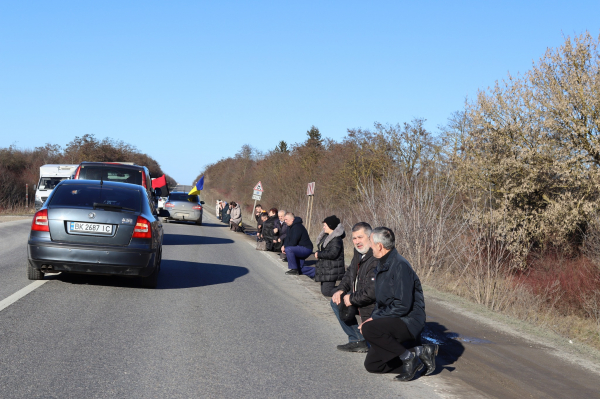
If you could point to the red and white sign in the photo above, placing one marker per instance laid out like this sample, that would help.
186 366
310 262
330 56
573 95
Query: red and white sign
310 190
258 187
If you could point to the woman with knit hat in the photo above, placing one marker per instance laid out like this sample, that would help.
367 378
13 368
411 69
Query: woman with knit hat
330 265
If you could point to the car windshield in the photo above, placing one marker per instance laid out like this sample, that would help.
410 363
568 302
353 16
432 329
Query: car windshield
183 197
48 183
111 173
85 196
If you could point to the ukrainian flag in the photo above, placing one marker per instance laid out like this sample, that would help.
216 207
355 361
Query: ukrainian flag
199 186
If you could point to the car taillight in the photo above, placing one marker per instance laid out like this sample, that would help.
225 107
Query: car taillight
142 228
77 173
198 207
40 221
169 205
143 179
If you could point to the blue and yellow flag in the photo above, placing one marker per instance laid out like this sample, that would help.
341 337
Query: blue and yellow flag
199 186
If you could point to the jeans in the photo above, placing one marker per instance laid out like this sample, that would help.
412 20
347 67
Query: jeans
351 328
296 256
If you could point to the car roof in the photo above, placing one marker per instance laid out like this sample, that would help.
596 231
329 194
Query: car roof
105 183
124 165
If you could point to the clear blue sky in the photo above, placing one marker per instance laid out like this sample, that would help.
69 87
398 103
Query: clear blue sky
189 82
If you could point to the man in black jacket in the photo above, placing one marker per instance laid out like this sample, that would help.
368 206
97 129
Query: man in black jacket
297 246
357 288
399 314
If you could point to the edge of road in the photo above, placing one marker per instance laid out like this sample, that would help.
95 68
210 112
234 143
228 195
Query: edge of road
563 348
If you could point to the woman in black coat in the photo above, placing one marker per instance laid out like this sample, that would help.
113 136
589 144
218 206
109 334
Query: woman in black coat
268 230
330 265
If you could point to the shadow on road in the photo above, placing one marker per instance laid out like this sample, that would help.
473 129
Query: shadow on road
174 274
450 349
183 239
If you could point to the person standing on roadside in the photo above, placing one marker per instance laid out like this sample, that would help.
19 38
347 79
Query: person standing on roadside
330 265
218 209
398 316
297 246
257 212
357 288
225 212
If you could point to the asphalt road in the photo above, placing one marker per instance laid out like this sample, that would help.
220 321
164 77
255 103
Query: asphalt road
226 322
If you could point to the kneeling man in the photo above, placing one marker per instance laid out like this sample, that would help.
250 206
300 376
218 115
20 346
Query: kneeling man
357 288
399 314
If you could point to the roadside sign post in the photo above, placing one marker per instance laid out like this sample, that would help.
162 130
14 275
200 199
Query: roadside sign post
26 195
258 190
310 192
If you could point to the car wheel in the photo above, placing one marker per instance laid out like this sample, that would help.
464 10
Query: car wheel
151 281
199 222
33 273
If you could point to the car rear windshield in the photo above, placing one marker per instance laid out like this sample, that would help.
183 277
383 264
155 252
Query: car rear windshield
84 196
183 197
111 173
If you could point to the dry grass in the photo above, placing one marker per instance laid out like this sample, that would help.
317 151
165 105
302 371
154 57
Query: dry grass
17 210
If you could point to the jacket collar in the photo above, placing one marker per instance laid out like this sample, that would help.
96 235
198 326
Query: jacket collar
388 259
338 232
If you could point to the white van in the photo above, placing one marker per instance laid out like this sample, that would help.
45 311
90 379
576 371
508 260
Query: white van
50 176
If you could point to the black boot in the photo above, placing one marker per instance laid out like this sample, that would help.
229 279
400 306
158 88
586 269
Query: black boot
409 368
427 356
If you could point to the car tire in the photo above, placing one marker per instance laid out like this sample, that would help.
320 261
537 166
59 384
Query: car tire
151 281
199 222
33 273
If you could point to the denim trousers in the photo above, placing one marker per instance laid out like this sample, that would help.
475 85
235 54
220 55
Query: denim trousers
296 256
351 328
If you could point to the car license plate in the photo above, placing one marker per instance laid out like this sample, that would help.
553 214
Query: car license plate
78 227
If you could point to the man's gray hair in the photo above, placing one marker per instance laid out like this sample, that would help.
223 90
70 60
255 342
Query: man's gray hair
290 214
282 211
364 226
384 236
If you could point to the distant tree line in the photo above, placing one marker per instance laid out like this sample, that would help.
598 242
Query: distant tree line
21 166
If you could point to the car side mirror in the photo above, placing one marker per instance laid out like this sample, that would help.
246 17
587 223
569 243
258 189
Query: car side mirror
158 192
202 202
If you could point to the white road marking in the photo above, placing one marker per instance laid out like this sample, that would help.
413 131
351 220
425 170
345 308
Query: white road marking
6 302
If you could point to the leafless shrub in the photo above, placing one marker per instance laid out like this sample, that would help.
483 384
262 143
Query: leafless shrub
422 212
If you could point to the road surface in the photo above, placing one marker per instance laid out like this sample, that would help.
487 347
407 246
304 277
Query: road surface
226 322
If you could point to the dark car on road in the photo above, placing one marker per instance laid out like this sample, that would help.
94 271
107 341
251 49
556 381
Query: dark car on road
184 207
96 227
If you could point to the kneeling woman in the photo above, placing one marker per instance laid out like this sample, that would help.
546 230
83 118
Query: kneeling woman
330 255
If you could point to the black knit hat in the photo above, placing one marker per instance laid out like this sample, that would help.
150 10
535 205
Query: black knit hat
332 221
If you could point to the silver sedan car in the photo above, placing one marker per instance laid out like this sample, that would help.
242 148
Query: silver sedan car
184 207
96 227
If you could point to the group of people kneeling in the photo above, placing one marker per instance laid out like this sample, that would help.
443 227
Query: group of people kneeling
380 287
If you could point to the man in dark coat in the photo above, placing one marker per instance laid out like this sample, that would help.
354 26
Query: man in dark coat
297 245
225 213
330 255
399 314
282 229
357 288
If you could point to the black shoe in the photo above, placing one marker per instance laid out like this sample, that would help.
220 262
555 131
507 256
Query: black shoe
284 259
360 347
409 368
427 356
292 272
